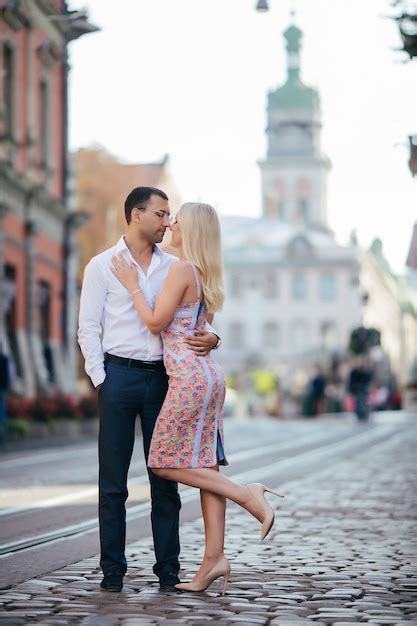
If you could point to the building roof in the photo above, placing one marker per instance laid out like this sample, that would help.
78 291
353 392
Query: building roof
294 94
260 241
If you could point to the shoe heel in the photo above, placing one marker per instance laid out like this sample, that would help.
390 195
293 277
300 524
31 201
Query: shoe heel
274 492
225 582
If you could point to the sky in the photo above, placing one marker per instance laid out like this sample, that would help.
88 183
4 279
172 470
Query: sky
189 78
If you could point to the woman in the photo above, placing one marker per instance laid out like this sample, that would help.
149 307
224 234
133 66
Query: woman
187 443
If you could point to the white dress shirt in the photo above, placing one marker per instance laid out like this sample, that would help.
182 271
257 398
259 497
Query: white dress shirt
108 321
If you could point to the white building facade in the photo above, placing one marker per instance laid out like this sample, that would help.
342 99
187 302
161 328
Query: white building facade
292 292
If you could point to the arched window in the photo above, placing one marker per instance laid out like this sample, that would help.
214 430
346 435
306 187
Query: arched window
9 73
10 312
327 286
44 295
303 199
280 204
299 286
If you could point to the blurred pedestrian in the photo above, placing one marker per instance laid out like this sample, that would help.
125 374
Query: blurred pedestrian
317 389
124 361
359 387
313 399
5 383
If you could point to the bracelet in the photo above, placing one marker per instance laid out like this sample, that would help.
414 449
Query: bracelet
218 344
135 292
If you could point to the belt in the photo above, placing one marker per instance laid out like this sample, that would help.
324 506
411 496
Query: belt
152 366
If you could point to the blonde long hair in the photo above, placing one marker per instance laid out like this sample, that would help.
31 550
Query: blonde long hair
201 243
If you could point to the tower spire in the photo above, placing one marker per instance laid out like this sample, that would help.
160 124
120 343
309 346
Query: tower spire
293 36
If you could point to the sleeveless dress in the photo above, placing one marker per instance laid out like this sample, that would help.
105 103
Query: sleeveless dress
189 429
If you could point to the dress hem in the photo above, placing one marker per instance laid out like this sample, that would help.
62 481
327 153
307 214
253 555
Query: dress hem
223 462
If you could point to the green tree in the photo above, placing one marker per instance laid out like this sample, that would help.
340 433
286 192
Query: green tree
363 339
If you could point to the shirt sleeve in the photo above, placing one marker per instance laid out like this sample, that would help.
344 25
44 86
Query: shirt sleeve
210 329
93 296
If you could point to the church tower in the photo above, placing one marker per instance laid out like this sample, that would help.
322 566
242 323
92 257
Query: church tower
294 173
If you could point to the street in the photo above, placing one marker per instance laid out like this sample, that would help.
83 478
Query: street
342 548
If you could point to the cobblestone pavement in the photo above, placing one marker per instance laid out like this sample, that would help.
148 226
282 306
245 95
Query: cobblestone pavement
343 550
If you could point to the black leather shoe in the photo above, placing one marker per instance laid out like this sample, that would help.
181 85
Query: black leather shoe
167 585
112 582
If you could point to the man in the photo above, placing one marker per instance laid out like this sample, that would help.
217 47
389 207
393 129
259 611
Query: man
358 386
124 362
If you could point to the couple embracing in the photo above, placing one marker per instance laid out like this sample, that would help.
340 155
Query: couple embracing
146 336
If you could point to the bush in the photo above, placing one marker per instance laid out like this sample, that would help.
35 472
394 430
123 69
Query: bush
66 407
45 408
17 428
41 409
17 406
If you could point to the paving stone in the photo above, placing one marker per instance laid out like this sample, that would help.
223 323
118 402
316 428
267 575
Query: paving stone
336 555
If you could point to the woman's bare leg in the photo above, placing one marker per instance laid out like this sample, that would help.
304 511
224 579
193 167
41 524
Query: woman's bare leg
213 507
208 479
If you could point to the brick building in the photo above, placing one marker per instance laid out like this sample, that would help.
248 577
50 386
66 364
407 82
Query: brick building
101 183
35 221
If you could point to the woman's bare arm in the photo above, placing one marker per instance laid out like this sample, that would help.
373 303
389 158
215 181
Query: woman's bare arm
168 300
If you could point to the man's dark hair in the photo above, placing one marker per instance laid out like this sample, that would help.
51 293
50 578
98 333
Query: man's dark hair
139 197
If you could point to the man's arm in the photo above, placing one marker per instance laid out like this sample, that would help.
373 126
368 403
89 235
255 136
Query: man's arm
93 296
204 340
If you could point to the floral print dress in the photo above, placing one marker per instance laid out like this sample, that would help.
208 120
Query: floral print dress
189 429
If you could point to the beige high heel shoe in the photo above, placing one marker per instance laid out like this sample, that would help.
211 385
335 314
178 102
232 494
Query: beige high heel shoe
258 491
222 568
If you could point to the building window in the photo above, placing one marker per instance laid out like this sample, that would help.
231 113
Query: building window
327 286
236 335
303 194
270 285
8 89
299 287
45 324
235 285
303 209
10 313
270 335
328 335
44 123
281 209
299 336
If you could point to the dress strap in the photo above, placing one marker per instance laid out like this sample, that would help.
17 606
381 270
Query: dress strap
197 280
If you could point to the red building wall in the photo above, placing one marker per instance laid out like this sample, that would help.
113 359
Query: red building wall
34 191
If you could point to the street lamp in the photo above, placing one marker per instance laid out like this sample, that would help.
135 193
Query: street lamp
262 6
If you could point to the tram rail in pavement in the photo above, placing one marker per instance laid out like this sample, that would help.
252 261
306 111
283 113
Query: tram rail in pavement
243 455
284 469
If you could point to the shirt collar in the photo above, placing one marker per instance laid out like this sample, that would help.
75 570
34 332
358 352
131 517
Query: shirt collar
121 246
157 253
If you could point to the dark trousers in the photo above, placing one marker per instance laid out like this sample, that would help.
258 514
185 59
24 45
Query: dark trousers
126 393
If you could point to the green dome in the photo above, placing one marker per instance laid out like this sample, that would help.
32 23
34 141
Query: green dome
294 94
